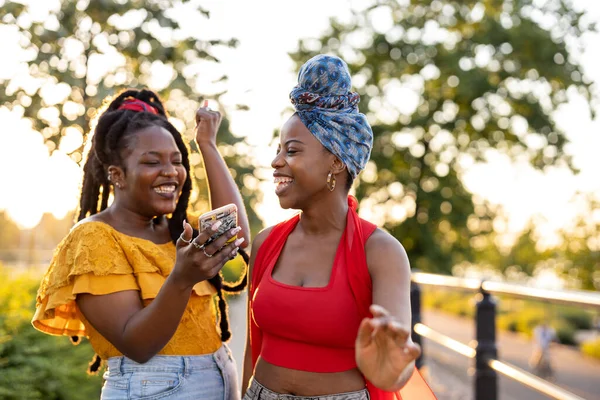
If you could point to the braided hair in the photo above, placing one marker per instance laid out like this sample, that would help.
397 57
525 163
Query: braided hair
112 137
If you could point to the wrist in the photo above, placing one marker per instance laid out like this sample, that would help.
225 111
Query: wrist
206 144
179 283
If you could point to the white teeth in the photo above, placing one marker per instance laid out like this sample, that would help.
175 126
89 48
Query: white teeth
165 189
283 179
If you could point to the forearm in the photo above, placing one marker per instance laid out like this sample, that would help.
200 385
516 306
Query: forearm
150 329
223 189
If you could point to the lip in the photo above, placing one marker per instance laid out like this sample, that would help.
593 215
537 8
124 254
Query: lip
280 175
281 188
171 195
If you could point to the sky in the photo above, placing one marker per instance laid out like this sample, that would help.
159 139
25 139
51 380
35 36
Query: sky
261 75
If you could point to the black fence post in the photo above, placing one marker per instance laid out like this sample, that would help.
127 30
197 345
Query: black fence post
415 308
486 380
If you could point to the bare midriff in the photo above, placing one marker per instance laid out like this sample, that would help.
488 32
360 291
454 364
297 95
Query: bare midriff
303 383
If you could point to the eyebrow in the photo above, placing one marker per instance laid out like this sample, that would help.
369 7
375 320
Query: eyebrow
158 154
293 140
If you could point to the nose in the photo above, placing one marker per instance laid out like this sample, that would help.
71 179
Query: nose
278 161
169 170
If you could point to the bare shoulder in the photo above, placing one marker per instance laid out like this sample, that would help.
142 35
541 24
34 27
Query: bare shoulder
256 244
384 253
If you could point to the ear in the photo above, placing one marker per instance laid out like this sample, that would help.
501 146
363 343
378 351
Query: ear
337 166
116 175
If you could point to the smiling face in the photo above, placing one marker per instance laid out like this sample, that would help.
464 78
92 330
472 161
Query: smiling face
301 166
152 174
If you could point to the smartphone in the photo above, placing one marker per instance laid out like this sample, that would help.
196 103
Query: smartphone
228 217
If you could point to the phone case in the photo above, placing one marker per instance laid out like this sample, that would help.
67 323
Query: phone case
228 217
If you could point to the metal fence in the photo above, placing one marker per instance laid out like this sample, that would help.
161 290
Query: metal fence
487 364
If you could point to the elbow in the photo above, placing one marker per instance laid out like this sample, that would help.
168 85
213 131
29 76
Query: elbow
137 354
138 357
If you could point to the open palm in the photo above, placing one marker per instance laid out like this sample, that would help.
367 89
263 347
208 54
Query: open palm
384 349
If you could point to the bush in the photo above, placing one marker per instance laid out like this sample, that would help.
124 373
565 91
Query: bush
34 365
592 348
579 319
565 333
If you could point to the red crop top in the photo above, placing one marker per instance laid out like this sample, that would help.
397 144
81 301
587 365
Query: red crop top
297 326
308 329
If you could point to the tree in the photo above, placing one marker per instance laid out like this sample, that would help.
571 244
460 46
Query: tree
444 83
80 51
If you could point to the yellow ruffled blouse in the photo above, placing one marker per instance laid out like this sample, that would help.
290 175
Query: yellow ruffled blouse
95 258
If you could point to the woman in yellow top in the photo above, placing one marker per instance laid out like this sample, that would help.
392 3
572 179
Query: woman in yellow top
130 276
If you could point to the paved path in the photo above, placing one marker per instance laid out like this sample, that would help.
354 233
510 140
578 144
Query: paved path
575 372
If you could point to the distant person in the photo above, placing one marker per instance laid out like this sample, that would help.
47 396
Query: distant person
543 336
329 305
130 275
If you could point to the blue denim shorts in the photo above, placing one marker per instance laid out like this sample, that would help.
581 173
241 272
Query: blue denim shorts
206 377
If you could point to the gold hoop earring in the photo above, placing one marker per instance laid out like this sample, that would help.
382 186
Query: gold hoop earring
330 182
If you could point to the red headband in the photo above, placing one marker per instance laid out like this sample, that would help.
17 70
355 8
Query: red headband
137 105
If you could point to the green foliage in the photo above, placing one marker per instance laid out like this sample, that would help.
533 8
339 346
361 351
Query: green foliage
565 332
34 365
233 270
592 348
474 69
83 51
577 318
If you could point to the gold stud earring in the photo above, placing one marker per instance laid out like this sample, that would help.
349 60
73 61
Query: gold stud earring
330 182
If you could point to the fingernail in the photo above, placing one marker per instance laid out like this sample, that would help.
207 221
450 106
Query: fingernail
184 222
234 252
239 241
235 230
216 225
406 350
205 103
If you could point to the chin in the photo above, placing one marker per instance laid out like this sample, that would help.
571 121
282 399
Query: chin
289 204
160 210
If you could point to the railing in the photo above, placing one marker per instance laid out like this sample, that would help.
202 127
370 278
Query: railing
485 354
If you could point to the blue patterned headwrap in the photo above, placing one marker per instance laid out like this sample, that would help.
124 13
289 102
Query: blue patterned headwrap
328 108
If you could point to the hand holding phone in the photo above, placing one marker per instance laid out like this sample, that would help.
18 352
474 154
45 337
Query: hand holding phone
227 214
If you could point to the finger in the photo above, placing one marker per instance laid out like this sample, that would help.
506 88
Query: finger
400 331
186 235
379 327
365 333
412 350
207 233
378 311
228 252
222 240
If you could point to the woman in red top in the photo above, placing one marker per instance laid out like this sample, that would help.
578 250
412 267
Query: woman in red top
329 307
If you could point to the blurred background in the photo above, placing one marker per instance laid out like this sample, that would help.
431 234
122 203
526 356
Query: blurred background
485 163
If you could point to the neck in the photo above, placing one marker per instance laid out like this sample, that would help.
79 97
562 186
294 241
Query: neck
128 218
325 215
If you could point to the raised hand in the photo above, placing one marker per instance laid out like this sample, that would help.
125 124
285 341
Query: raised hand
207 124
198 261
384 349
